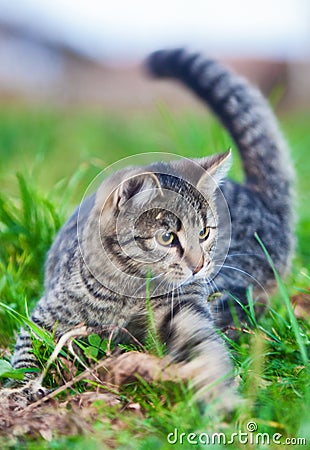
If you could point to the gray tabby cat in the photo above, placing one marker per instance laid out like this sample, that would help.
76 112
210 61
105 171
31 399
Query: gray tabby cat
166 219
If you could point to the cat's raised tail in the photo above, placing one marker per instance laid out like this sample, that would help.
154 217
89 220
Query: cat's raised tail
246 115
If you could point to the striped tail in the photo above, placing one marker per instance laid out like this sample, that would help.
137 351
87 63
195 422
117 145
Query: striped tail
246 115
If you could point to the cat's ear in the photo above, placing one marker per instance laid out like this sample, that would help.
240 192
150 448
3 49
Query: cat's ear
216 168
139 189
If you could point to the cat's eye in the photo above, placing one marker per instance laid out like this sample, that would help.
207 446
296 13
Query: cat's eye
166 238
204 233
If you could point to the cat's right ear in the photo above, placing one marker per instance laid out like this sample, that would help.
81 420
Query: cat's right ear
139 189
216 168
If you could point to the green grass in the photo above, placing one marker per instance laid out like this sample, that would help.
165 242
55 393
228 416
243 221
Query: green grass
48 159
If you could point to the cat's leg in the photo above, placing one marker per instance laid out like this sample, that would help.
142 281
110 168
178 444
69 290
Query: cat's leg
23 356
22 392
30 388
193 343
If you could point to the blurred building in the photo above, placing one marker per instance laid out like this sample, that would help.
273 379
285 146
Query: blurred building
36 69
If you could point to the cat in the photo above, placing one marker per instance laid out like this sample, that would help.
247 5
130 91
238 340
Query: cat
181 231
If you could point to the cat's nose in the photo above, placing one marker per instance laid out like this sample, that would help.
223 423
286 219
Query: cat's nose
194 260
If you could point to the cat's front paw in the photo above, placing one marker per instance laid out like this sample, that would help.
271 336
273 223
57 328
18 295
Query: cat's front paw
34 391
20 397
214 387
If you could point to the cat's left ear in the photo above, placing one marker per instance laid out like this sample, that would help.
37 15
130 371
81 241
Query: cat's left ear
138 188
216 168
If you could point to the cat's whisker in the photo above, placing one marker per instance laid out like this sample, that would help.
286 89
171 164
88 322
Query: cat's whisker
172 304
129 281
164 280
213 286
225 266
237 269
215 290
220 262
180 293
244 254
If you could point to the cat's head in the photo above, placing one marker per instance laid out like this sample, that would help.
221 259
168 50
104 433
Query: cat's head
158 221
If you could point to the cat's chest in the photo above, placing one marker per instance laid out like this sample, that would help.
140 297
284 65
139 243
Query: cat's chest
108 310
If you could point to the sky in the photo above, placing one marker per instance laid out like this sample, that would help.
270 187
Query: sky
120 29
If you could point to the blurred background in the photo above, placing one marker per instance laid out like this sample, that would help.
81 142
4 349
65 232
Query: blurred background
89 53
